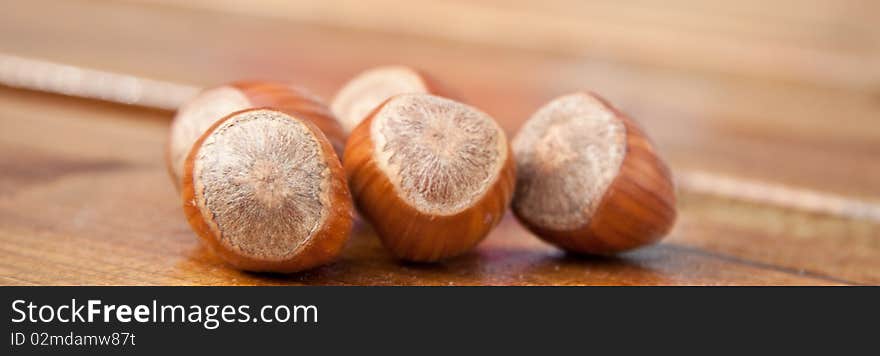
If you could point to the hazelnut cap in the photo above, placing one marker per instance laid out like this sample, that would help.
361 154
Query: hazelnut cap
322 246
637 208
407 232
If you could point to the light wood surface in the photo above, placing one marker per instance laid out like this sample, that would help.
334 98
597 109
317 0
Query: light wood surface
781 92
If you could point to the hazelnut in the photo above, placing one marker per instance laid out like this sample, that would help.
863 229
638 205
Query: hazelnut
589 180
434 176
266 191
200 112
363 93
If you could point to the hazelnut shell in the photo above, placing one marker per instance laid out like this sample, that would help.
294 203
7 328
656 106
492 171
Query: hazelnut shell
637 208
407 232
323 246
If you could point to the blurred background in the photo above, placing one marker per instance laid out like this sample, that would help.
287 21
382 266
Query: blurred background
780 94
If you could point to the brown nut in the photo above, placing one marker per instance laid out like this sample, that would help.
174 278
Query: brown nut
266 191
363 93
194 117
434 176
589 180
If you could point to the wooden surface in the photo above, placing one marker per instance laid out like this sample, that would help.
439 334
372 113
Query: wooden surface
786 92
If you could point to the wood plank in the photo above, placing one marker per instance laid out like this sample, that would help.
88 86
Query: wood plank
649 33
84 197
812 244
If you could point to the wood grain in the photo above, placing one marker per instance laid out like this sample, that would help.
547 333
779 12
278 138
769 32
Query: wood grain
686 35
768 91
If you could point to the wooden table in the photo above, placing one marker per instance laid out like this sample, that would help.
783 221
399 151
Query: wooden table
781 92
